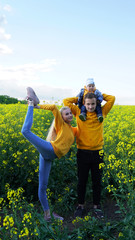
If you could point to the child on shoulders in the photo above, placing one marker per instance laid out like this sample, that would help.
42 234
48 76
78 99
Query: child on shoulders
90 87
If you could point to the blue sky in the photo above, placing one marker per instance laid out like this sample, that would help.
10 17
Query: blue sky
54 46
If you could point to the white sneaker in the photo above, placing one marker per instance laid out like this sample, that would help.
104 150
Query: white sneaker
31 95
55 215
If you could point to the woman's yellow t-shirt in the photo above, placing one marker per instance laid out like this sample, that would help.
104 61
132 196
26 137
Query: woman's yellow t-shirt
65 132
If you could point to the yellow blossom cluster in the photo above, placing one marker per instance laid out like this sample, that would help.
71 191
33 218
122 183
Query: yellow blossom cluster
14 197
119 147
8 222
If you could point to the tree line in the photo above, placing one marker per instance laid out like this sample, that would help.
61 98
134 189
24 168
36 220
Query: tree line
4 99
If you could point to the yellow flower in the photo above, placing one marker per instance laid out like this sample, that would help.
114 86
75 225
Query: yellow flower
120 234
67 189
8 222
86 218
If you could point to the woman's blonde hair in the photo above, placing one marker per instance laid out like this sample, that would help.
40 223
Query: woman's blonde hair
52 131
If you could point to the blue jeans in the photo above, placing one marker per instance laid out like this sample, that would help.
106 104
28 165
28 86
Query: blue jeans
46 155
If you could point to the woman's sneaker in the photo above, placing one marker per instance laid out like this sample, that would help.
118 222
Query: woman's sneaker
31 95
54 215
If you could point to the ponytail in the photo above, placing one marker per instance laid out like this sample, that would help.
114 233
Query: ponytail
52 131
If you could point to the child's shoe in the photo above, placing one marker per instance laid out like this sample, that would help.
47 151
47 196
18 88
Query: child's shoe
82 116
100 119
31 95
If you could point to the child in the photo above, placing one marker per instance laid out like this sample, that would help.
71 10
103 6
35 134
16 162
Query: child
90 87
62 136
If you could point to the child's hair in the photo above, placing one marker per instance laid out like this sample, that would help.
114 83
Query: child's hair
89 96
52 131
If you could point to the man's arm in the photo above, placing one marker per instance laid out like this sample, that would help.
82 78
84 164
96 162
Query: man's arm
109 103
70 102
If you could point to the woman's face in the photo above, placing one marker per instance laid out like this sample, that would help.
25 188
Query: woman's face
90 104
67 115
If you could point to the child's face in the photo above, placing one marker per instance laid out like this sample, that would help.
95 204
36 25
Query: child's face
90 104
67 115
90 87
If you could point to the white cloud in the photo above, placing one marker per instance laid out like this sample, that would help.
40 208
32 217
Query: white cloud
14 89
3 19
17 89
53 93
121 100
7 8
4 49
15 79
3 35
26 72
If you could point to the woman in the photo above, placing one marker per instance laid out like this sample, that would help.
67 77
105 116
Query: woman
59 141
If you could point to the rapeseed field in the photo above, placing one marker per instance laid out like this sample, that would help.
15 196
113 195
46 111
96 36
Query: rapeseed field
21 216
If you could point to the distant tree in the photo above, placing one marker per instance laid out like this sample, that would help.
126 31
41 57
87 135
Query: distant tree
4 99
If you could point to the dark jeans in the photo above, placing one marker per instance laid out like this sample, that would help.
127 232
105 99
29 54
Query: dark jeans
98 109
89 160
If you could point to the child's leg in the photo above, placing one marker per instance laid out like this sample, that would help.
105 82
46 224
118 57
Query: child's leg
80 98
83 109
82 115
45 148
44 171
99 109
99 112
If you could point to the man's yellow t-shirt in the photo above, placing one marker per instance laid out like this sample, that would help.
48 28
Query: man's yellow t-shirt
89 132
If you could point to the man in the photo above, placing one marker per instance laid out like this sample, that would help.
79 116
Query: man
89 144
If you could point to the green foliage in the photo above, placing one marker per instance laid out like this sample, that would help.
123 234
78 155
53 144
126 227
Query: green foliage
4 99
19 163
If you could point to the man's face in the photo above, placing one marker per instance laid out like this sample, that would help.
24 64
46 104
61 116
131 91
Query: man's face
90 104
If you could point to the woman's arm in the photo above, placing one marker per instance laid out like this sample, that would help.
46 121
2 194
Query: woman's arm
58 118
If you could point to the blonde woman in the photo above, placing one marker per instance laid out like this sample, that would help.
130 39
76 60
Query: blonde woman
57 144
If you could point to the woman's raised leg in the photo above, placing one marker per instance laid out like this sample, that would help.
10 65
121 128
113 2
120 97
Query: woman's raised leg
45 148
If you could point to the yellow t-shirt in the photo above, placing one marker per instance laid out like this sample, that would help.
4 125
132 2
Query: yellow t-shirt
65 132
89 132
